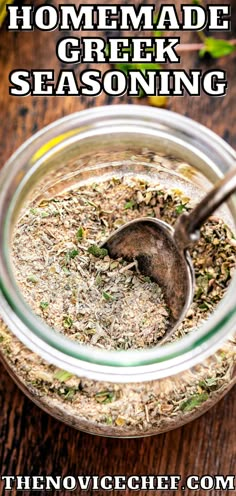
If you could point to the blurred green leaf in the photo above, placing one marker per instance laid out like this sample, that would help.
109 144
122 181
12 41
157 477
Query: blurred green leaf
142 67
193 402
107 296
216 48
63 375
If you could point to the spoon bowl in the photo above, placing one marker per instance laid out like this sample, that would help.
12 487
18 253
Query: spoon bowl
151 243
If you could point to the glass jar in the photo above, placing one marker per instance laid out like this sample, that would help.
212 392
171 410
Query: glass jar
115 393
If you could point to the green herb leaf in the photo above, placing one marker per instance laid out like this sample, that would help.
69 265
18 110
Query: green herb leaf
216 48
204 306
67 322
98 280
69 394
97 252
44 214
209 384
109 420
105 397
193 402
130 204
107 296
125 67
34 211
148 66
180 208
32 278
67 272
157 34
63 375
80 233
72 254
43 305
203 284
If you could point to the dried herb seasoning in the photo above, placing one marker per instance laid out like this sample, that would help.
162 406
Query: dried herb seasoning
72 284
97 300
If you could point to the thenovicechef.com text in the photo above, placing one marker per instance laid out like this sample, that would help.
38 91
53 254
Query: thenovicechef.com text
121 482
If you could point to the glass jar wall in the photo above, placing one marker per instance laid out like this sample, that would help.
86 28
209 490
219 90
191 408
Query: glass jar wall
130 392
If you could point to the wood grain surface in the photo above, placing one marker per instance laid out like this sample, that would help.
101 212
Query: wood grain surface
31 442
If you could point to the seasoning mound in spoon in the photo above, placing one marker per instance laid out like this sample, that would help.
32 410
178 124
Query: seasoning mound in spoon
117 306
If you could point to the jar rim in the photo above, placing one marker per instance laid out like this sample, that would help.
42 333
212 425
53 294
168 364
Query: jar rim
115 366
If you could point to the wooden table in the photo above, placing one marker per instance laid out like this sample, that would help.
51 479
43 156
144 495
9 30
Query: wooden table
31 442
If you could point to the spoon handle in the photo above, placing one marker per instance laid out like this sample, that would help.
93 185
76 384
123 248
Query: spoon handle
188 225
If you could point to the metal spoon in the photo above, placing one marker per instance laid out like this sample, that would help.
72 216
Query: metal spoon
161 250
